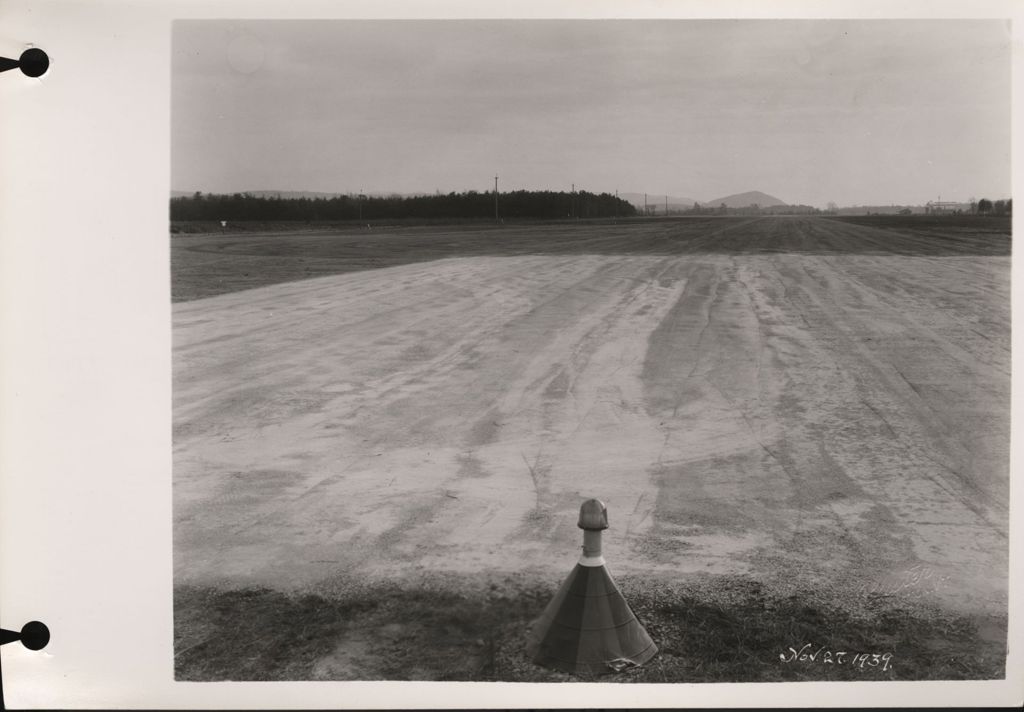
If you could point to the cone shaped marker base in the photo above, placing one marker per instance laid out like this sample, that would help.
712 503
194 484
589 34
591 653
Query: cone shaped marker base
588 627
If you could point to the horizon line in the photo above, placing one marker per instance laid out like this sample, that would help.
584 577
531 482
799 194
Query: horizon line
616 193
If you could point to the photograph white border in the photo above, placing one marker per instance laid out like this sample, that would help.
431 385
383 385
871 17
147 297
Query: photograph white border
85 369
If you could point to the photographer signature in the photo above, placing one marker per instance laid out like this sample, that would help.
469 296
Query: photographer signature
839 657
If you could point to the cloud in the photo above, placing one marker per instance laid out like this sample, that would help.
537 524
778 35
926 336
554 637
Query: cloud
430 104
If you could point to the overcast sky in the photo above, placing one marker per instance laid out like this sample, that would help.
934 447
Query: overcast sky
861 112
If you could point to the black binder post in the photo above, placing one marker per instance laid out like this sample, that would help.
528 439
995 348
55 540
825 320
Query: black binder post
33 635
33 62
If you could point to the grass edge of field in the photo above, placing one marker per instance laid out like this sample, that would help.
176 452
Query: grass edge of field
708 629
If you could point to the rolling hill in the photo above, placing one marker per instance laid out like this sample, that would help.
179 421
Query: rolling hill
656 201
745 200
737 200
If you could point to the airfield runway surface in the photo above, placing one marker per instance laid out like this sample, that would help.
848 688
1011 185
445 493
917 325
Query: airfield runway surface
796 399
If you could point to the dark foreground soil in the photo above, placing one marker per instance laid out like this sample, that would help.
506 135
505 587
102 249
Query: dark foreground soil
709 629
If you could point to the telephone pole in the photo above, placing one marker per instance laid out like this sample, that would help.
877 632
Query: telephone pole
645 204
495 198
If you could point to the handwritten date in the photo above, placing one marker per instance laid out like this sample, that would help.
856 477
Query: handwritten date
807 654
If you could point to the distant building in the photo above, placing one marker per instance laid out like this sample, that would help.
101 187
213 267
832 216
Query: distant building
945 207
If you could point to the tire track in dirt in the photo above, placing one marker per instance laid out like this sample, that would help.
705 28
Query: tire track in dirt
765 396
772 461
406 430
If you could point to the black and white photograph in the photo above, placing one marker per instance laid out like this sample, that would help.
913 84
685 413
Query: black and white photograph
590 350
474 354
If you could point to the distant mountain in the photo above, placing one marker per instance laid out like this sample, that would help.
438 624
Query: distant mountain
745 200
739 200
655 201
658 201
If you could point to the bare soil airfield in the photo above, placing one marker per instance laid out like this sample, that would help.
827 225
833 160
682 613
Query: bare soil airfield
812 403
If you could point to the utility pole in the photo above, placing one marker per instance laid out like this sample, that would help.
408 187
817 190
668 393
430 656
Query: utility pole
495 198
645 204
572 201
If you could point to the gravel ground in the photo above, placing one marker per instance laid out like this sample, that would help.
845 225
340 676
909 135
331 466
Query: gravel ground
798 402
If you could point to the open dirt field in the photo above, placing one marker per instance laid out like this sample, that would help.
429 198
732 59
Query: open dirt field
811 403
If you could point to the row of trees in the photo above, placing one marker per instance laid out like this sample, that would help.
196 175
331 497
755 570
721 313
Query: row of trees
752 209
471 204
987 207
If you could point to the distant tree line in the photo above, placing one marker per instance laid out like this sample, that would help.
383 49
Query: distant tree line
752 209
987 207
998 208
536 204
